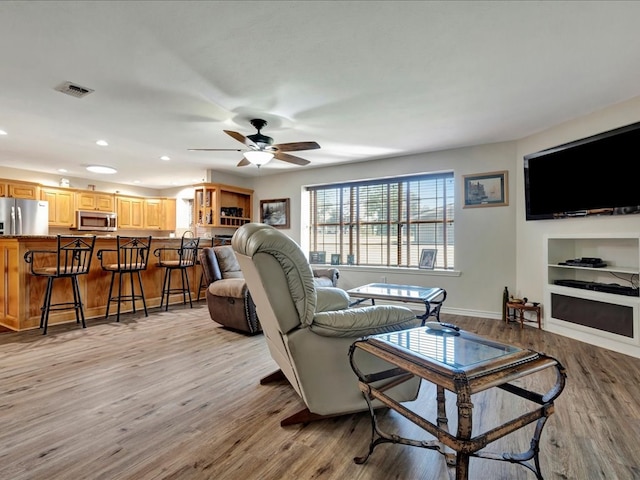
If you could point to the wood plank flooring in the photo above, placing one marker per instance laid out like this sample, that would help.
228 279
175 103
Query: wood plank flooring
176 396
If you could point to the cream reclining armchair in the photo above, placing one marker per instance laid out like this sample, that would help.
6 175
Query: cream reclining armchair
309 329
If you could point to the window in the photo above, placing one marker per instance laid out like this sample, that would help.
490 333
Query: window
384 222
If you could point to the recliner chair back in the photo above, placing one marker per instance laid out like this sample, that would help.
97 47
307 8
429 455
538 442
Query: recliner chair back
309 329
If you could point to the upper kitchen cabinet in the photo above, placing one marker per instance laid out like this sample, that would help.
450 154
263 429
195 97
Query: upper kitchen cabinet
16 189
130 212
219 205
61 206
168 214
152 217
90 200
160 213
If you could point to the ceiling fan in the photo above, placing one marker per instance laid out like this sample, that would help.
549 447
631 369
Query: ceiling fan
261 148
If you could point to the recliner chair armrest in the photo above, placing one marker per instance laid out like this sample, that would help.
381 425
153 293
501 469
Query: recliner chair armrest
330 274
363 321
209 264
330 299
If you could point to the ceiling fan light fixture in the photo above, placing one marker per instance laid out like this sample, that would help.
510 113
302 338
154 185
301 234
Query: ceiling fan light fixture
258 158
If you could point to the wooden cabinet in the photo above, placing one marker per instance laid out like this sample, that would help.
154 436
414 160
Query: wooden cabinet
130 212
219 205
10 263
61 206
168 214
152 213
15 189
146 213
90 200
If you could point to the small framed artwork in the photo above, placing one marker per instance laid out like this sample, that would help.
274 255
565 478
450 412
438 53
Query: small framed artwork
275 212
486 189
351 259
317 257
428 258
335 259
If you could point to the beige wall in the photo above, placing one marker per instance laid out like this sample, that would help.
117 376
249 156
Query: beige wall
485 242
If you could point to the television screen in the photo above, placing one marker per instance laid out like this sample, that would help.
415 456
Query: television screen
592 176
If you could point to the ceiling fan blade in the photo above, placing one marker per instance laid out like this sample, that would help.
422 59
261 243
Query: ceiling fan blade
296 146
241 138
215 150
285 157
238 136
243 163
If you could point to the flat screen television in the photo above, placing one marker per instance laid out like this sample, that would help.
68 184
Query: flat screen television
592 176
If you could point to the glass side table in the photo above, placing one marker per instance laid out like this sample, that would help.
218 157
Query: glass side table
465 364
431 297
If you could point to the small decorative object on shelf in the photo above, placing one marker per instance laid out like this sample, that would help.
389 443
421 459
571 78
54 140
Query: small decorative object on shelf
517 300
317 257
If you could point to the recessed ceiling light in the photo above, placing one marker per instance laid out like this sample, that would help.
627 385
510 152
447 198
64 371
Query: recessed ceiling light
101 169
102 143
62 170
137 181
165 158
2 132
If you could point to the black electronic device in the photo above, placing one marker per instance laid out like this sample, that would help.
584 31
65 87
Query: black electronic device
599 287
589 262
565 181
614 288
573 283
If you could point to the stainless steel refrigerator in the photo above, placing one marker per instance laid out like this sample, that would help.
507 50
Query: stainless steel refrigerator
24 217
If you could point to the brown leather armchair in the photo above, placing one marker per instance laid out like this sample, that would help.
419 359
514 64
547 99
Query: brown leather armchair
228 298
227 295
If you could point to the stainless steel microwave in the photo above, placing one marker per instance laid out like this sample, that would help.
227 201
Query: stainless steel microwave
97 221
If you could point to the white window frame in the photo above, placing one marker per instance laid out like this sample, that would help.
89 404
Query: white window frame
374 232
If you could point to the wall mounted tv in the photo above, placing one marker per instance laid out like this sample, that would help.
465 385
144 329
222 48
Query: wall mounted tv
591 176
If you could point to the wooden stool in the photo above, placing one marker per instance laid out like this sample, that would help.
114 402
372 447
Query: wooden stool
519 309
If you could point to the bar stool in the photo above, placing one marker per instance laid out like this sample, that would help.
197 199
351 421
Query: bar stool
179 259
131 257
71 259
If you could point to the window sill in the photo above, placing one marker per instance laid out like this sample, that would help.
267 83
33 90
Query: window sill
397 270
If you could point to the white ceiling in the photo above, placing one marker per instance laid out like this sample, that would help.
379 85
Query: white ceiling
363 79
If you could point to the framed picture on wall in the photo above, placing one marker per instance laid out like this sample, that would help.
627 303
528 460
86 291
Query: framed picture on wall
486 189
428 258
275 212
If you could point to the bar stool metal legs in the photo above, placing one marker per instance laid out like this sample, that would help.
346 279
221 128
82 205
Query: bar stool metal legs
181 259
71 259
129 258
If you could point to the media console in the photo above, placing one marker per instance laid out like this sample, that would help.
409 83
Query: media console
598 305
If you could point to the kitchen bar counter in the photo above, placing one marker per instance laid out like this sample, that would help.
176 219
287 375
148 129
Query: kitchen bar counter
21 293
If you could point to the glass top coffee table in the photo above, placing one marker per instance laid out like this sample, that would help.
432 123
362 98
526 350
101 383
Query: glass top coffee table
431 297
465 364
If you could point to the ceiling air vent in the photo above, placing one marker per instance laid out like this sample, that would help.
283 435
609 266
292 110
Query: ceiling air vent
73 89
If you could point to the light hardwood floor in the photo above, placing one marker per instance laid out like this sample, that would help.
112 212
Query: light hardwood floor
175 396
